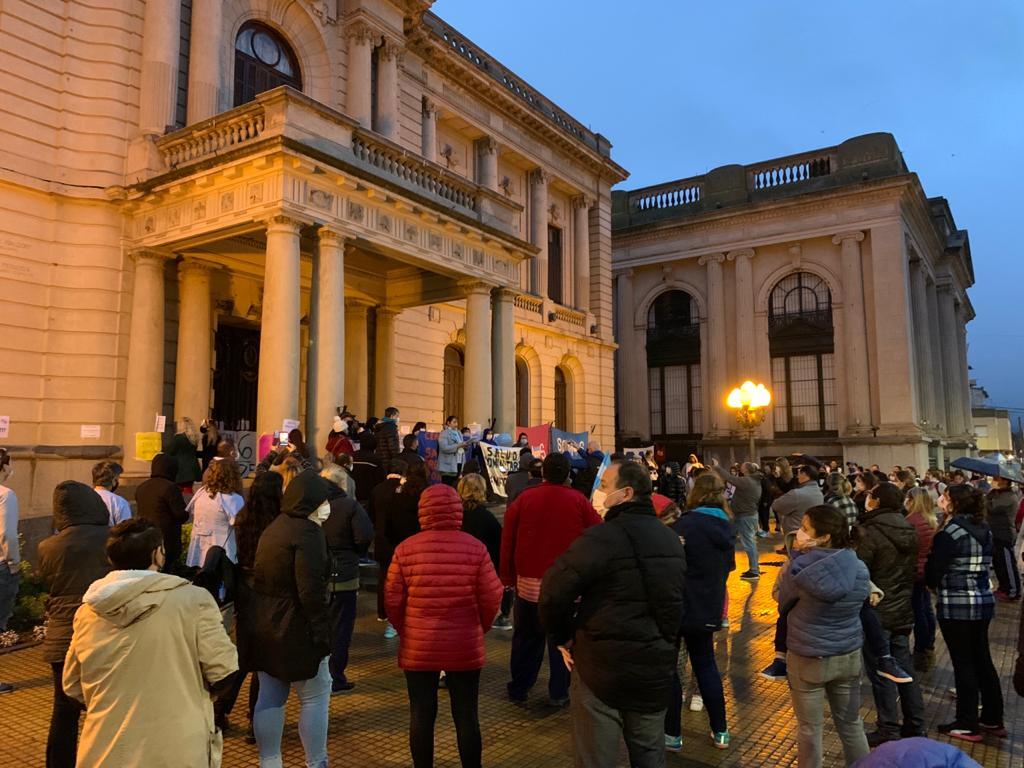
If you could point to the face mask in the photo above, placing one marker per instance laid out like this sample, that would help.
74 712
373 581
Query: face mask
113 488
608 503
339 425
600 501
804 540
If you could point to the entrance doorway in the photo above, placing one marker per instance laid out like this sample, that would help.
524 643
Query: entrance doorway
454 368
236 376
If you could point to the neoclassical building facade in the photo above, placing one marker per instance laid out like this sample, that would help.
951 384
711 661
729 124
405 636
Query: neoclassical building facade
260 210
829 276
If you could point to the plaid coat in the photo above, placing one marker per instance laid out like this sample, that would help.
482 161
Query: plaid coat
958 569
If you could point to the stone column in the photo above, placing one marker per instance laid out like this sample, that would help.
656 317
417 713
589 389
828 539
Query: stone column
503 350
158 85
477 376
858 390
327 374
539 231
204 56
923 342
936 373
428 137
278 387
963 370
358 104
357 360
951 367
581 252
144 386
746 352
487 162
389 57
718 384
631 419
384 378
193 370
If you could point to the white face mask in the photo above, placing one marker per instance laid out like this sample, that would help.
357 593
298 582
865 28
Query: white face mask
599 501
804 540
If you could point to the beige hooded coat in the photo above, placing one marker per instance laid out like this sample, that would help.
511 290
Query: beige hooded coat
145 648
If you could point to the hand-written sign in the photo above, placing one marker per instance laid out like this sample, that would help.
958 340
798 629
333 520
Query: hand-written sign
501 462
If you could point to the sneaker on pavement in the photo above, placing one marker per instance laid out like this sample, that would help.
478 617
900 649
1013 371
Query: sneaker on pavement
696 703
877 737
339 688
750 576
673 743
725 623
890 670
762 534
390 632
957 731
720 740
775 671
995 730
503 623
6 688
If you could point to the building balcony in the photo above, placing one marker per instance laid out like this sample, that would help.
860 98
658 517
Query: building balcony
287 116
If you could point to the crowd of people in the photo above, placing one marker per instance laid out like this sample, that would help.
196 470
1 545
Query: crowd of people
610 569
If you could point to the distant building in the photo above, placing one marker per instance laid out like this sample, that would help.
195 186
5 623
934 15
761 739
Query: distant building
992 430
829 276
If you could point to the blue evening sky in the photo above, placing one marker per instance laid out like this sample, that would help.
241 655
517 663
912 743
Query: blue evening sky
683 87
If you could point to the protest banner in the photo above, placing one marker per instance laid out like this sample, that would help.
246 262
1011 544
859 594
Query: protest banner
245 444
428 450
147 445
605 463
539 439
637 454
572 442
501 462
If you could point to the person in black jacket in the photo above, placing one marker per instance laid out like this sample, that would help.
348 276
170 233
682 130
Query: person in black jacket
481 524
672 483
399 518
159 500
709 541
379 503
367 468
349 533
621 637
386 432
410 450
69 562
887 544
291 627
516 481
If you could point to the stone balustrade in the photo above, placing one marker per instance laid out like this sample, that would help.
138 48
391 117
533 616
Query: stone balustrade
571 316
863 158
214 136
529 303
413 169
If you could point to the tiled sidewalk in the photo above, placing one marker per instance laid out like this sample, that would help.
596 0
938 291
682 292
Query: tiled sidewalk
368 726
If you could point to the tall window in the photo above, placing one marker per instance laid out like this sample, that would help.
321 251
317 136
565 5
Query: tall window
263 60
555 264
453 382
673 366
522 393
801 343
561 400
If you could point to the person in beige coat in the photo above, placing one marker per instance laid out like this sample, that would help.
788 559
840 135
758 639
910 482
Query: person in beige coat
147 647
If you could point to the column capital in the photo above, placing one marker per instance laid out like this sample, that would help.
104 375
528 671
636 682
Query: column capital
539 176
471 287
504 294
711 258
329 236
392 49
428 107
360 32
743 253
283 222
582 202
150 256
193 265
488 144
854 235
357 306
388 312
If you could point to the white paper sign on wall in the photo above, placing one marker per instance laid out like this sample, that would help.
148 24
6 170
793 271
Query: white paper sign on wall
90 431
289 424
5 426
161 423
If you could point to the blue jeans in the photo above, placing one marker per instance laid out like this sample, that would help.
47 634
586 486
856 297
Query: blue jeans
890 697
528 644
342 612
746 528
268 722
924 619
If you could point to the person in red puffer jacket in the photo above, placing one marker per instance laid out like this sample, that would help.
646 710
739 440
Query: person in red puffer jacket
442 594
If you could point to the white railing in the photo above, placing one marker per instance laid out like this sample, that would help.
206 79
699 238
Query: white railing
215 136
788 171
673 195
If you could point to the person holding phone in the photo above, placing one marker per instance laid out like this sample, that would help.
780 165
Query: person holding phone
449 443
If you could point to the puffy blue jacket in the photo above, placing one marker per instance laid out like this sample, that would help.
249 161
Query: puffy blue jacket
917 752
824 590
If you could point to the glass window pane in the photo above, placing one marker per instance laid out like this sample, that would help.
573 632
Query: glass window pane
696 423
779 394
829 386
654 377
675 400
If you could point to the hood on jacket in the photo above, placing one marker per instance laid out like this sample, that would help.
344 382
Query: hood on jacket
674 466
979 531
164 465
639 506
894 526
76 503
334 491
917 752
715 525
304 494
440 509
124 597
826 574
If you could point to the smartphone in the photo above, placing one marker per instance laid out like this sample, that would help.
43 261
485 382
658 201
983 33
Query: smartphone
282 438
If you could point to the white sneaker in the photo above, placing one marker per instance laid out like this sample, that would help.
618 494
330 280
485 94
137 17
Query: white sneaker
696 703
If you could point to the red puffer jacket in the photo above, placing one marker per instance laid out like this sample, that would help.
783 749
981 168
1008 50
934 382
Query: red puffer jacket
442 592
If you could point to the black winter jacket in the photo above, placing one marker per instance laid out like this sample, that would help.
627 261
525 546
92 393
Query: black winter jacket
71 560
349 534
630 574
887 544
368 472
480 523
160 501
673 485
291 632
388 444
380 502
710 556
1002 515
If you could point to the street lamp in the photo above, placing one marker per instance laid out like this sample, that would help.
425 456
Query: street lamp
750 401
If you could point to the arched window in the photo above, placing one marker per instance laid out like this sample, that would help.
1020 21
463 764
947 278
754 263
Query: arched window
561 400
801 344
453 386
673 366
522 393
263 60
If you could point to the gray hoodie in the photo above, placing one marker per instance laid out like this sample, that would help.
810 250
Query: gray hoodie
790 506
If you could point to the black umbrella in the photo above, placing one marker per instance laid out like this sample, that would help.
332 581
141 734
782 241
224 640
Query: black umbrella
990 467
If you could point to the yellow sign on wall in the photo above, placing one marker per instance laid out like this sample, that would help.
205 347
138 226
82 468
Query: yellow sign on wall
147 445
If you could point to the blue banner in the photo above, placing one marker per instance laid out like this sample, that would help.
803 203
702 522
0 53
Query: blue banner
572 442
